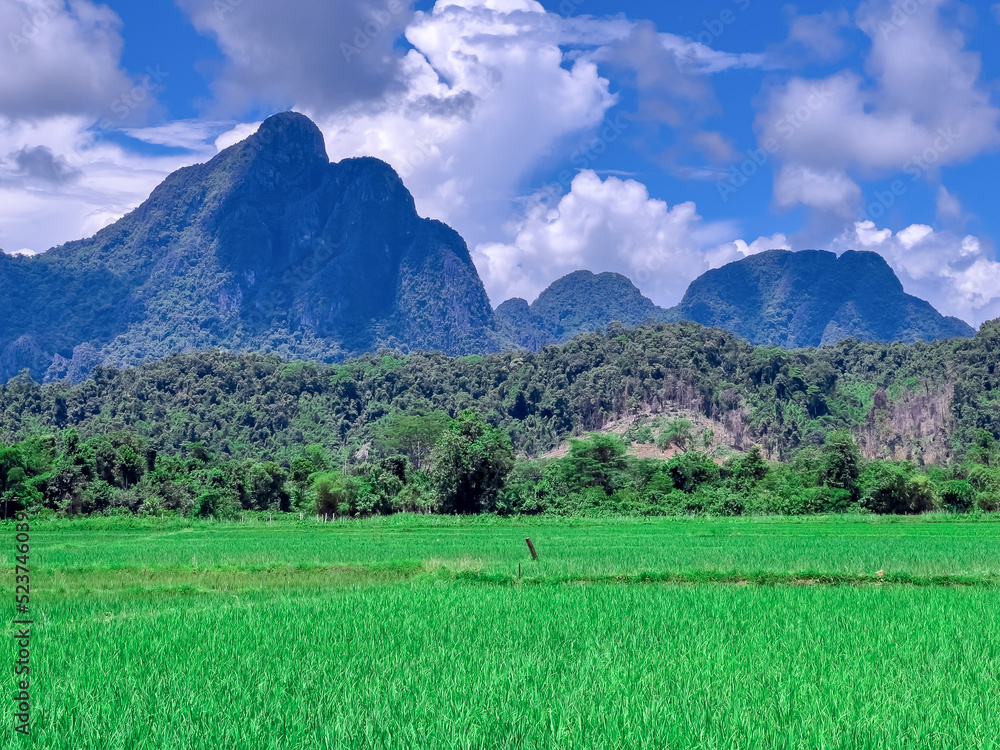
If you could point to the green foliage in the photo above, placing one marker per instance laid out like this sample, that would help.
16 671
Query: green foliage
598 461
895 488
471 462
335 493
841 462
691 470
677 434
412 435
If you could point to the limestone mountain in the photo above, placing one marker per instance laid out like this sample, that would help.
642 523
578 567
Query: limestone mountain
580 302
813 298
267 247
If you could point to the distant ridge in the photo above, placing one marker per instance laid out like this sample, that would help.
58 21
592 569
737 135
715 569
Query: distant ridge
813 298
580 302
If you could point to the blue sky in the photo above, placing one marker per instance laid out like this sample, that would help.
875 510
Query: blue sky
655 139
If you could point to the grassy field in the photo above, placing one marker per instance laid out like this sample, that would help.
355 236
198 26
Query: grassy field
417 633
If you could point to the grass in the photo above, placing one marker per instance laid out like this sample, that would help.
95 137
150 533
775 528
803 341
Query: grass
743 633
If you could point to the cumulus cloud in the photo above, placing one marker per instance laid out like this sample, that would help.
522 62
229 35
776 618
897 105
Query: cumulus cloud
489 92
302 52
63 90
825 189
958 274
920 106
818 37
57 183
59 59
612 225
39 163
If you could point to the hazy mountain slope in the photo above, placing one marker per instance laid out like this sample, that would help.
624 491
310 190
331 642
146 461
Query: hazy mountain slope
580 302
812 298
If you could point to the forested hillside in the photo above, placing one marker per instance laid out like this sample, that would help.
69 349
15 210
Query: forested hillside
213 432
900 400
267 247
581 302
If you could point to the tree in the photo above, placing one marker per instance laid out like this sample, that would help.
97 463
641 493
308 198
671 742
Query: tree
841 462
129 466
691 470
335 493
264 486
471 463
893 488
957 495
413 435
598 461
748 470
677 433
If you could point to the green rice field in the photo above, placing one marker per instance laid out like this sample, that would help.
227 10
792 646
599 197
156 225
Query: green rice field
417 632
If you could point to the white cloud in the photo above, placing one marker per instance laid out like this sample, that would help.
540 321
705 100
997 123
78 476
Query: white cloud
827 190
62 90
816 37
37 212
488 93
296 52
957 274
611 225
949 208
921 106
59 60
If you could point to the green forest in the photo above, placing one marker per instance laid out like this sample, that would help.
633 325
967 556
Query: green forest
659 420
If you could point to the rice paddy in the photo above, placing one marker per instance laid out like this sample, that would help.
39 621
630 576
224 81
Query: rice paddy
420 633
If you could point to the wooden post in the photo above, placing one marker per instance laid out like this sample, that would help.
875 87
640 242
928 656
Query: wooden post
531 548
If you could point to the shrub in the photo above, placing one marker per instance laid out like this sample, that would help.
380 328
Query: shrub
957 495
691 470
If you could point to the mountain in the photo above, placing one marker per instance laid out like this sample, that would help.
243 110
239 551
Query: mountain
813 298
580 302
267 247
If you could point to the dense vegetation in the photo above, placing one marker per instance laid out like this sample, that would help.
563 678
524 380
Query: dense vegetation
879 428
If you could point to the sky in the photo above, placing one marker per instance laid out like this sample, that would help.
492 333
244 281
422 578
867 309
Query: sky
652 138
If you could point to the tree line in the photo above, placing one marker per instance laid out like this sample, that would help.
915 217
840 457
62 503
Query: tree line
463 465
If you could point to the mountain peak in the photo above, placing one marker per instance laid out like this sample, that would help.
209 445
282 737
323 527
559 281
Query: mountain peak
290 137
579 302
813 298
266 247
